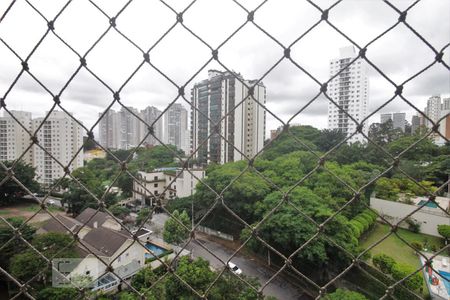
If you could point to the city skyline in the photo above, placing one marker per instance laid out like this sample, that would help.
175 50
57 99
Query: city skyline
289 89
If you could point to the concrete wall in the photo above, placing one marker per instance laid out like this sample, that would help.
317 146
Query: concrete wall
429 218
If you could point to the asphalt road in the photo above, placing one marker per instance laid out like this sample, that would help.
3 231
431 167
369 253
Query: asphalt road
279 288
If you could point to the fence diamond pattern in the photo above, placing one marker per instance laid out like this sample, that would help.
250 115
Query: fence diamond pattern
111 24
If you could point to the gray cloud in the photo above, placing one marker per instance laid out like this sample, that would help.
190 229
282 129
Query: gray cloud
400 54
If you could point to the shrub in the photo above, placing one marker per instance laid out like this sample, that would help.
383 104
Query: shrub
444 230
383 262
417 245
400 271
413 225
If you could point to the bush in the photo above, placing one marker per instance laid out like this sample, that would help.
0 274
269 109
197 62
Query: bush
383 262
417 245
444 230
400 271
341 294
357 228
413 225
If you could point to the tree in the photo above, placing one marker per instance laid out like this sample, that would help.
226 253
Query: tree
386 189
444 231
288 142
342 294
383 262
10 190
27 264
400 271
142 215
286 230
119 211
174 232
328 138
58 293
16 245
384 133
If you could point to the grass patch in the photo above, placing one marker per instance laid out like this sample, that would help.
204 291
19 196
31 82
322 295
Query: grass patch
36 207
4 212
396 248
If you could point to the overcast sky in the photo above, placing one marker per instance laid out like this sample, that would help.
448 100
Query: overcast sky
400 54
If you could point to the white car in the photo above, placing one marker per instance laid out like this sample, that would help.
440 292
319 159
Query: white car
235 269
51 202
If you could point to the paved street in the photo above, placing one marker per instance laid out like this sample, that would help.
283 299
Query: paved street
279 288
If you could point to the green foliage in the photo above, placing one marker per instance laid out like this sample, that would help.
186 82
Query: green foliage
386 189
241 195
27 264
444 230
57 293
198 274
174 232
417 245
390 188
384 133
424 151
16 245
328 138
383 262
286 230
119 211
142 215
413 225
342 294
362 222
98 173
398 271
285 143
10 191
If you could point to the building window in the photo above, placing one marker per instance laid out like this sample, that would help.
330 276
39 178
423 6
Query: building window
155 178
155 185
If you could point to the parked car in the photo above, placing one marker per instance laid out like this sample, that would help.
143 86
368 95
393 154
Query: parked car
235 269
52 202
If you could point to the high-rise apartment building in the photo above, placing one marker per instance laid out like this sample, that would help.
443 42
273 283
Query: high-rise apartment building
176 130
150 115
398 120
415 123
108 130
14 138
350 89
129 128
222 109
445 104
433 110
61 137
385 117
123 130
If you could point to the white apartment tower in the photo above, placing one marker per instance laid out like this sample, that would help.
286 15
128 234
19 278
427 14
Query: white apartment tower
433 110
149 115
109 130
14 139
62 137
223 99
176 130
123 130
129 128
350 89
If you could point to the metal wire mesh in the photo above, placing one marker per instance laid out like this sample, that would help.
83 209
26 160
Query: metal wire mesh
111 22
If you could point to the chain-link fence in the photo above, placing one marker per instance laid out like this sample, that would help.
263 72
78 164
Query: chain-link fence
356 260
